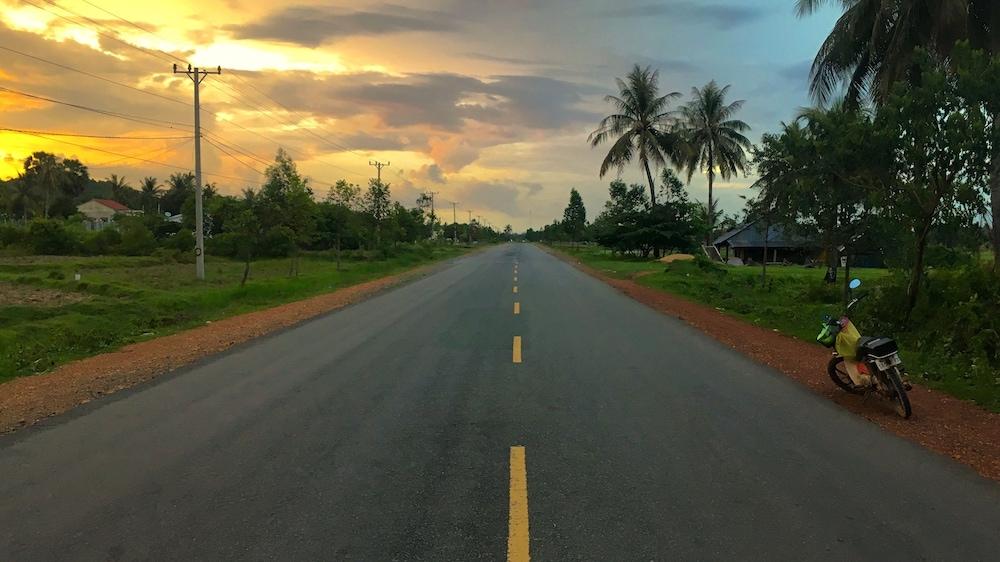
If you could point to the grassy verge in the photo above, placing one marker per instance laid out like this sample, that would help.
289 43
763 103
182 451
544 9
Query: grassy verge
793 301
121 300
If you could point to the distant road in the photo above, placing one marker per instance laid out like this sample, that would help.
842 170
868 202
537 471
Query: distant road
433 423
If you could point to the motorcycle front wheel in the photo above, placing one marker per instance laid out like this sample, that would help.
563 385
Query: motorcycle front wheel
838 374
900 401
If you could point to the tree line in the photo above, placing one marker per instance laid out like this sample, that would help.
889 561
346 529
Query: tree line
899 156
283 217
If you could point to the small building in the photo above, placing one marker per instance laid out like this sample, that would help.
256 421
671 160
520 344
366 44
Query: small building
100 212
747 243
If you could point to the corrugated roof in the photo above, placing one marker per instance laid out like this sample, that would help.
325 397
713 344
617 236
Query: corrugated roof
747 237
112 204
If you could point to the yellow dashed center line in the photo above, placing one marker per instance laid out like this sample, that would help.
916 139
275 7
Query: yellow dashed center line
517 531
517 308
515 289
517 349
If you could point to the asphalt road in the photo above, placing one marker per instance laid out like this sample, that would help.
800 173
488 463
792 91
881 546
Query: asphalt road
384 432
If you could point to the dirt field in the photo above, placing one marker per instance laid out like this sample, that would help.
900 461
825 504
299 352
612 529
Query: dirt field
12 294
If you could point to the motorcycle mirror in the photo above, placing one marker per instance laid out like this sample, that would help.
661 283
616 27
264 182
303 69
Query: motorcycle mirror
855 283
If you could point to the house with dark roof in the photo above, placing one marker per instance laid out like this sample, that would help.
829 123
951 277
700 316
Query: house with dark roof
748 243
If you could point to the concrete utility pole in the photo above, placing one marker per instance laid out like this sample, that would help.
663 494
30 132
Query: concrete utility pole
454 220
198 75
468 230
378 166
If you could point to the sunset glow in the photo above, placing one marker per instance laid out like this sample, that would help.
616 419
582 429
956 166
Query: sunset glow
490 108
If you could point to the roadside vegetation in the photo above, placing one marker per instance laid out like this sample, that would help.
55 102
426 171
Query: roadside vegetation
272 244
897 163
947 350
119 300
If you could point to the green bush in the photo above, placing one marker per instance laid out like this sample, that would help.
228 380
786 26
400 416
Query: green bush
50 237
11 235
102 242
137 239
183 241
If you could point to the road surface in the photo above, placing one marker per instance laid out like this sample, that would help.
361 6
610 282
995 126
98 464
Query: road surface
404 428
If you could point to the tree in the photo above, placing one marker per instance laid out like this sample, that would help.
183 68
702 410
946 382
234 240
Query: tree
377 204
54 182
119 188
575 216
640 128
935 145
180 186
287 205
978 76
875 44
248 230
819 175
150 194
714 138
346 194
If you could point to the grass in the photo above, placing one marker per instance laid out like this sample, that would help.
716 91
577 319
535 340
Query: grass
130 299
793 302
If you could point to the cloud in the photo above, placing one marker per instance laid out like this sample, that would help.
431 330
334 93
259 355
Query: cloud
312 26
723 15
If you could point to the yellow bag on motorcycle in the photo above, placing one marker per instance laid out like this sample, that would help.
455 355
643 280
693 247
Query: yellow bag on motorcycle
847 341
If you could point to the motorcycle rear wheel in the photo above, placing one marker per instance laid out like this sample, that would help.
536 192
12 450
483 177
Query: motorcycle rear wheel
838 374
900 401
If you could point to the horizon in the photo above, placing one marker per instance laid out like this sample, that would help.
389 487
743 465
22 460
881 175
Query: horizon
489 106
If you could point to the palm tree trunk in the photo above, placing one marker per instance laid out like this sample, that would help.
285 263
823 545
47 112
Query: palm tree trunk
652 199
652 186
711 204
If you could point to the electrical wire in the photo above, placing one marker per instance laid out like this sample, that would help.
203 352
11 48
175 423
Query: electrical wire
55 134
95 76
127 116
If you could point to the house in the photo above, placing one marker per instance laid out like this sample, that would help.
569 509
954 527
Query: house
747 243
99 212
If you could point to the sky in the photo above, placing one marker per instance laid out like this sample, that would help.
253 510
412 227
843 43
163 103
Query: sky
487 103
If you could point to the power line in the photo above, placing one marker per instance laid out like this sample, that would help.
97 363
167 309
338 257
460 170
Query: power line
286 108
127 116
92 75
229 154
54 134
110 33
135 25
148 153
140 159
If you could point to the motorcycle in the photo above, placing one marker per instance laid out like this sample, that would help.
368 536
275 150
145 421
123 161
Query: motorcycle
865 365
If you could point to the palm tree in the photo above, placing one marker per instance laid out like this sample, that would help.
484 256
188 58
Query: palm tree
119 188
150 194
714 140
48 174
641 127
873 43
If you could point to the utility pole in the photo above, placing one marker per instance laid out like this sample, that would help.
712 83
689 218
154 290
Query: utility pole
468 230
197 76
378 166
454 220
